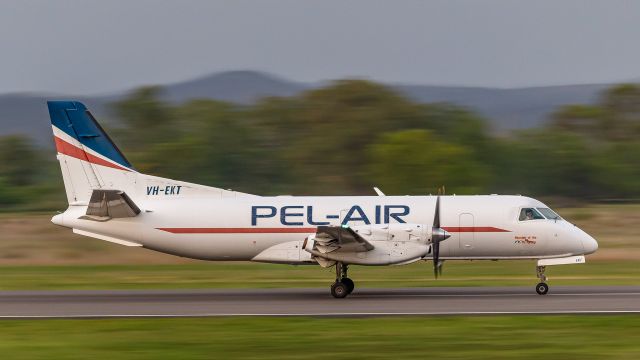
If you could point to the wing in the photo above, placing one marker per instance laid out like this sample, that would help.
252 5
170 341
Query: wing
332 238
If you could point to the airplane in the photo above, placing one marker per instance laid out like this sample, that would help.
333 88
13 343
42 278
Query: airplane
109 200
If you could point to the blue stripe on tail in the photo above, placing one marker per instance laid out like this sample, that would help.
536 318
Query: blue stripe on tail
73 118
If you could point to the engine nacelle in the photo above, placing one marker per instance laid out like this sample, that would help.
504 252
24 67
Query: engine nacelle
285 253
393 244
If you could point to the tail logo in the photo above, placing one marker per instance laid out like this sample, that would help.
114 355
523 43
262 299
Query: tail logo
78 134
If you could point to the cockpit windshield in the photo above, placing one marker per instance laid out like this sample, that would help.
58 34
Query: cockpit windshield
538 214
549 214
530 214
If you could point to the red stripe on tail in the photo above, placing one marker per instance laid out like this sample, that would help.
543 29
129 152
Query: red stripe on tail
65 148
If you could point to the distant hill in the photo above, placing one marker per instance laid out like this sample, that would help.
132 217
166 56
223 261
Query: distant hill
506 109
243 87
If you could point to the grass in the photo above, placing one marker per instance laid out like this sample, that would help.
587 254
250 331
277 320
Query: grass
522 337
252 275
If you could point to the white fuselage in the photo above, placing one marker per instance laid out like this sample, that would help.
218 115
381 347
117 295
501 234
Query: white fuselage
244 227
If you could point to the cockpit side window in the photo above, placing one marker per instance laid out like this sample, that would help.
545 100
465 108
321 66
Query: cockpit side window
530 214
549 214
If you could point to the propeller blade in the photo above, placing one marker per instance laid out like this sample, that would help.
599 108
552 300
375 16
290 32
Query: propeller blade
437 235
436 217
435 238
436 258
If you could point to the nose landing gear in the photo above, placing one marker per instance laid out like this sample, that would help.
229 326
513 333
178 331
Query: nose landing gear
542 288
343 285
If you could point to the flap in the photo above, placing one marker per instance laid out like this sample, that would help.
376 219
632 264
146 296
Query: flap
341 237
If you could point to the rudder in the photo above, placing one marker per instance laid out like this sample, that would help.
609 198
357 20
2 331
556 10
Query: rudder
88 157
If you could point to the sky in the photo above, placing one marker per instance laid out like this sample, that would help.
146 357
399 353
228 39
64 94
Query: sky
98 47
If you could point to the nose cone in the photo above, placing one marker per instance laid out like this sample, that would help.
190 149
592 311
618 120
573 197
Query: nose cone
589 244
439 234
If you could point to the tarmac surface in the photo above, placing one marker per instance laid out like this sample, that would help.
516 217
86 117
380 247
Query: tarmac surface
318 302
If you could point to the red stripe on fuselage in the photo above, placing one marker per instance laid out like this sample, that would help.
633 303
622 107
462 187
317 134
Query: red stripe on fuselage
473 229
304 230
64 147
239 230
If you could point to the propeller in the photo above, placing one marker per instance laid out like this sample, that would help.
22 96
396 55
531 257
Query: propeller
438 234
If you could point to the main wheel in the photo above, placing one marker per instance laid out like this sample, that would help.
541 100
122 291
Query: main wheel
339 290
349 283
542 289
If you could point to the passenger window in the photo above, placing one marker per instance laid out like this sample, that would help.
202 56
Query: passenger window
530 214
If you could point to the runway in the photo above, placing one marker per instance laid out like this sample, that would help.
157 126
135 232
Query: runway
318 302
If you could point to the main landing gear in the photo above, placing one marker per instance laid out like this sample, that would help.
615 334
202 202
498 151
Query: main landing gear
542 288
343 285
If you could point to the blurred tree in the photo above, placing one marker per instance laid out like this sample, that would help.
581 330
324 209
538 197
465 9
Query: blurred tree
616 117
552 162
220 146
145 112
326 132
275 127
146 121
20 162
623 103
8 196
588 120
460 126
623 100
277 121
417 162
618 171
336 125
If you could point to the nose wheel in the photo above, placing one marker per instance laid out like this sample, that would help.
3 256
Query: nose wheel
343 285
542 288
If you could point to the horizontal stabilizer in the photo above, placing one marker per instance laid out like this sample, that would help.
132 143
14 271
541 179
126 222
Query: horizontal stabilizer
106 238
110 204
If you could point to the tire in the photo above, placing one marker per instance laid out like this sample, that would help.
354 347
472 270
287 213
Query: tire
350 284
542 289
339 290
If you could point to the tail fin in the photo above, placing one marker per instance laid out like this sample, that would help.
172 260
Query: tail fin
88 157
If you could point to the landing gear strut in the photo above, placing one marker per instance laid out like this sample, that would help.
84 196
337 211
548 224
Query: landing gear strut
542 288
343 285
